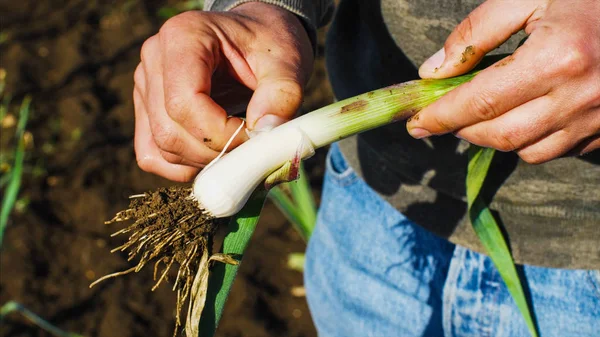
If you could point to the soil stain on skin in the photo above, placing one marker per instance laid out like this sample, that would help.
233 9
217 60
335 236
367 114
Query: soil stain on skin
466 55
505 61
414 115
357 106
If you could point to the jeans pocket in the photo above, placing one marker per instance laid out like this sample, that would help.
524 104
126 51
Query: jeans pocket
338 169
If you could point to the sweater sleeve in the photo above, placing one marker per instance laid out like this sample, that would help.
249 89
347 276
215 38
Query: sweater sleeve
313 13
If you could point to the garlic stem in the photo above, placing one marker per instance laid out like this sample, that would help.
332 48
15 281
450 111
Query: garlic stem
223 189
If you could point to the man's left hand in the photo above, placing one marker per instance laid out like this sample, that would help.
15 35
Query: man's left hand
543 101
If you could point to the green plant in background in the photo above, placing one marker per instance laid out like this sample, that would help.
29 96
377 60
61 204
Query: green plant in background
12 177
182 6
296 202
14 307
12 168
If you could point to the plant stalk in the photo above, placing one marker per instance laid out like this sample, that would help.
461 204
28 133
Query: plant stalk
321 127
372 109
222 189
240 230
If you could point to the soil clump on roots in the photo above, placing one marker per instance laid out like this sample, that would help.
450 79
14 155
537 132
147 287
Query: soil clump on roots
168 228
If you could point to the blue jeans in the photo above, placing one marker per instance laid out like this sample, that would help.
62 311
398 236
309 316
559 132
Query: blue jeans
370 271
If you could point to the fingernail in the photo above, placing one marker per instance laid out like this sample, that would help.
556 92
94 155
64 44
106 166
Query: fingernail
434 62
268 122
419 133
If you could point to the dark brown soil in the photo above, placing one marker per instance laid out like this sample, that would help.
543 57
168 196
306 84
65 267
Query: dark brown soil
76 59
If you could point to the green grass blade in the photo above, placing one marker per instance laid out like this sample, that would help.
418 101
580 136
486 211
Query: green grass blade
489 233
480 160
167 12
303 198
300 209
278 196
12 190
241 227
13 306
23 116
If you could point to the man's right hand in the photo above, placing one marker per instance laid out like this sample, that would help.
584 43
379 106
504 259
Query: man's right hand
202 66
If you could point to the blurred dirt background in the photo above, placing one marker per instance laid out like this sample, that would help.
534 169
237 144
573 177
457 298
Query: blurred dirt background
76 58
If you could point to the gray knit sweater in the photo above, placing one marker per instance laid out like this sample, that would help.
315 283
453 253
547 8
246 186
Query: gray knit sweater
550 212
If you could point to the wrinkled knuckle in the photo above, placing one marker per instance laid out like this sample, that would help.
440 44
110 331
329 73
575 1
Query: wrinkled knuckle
173 26
171 158
166 138
483 106
176 106
534 157
463 32
575 60
195 16
149 48
441 125
594 96
292 90
504 140
596 93
186 176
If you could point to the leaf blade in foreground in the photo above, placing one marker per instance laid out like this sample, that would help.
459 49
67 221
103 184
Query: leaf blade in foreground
241 227
489 233
14 184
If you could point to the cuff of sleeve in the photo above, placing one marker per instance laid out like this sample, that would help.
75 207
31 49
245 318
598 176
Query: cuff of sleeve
312 14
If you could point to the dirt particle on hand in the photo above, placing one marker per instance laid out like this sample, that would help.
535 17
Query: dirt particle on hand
466 55
414 117
505 61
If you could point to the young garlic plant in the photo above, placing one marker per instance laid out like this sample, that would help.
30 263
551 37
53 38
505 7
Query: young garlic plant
272 157
176 226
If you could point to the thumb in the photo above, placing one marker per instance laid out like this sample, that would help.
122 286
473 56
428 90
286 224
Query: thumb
277 98
486 28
